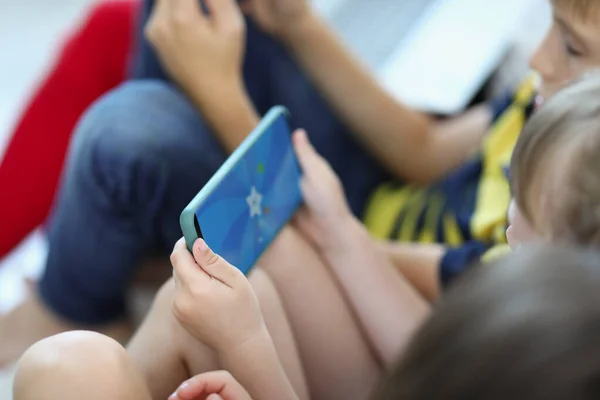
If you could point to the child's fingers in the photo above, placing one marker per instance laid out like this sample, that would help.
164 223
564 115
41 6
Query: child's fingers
160 8
214 265
307 156
302 143
184 265
246 6
314 166
188 11
180 245
226 14
181 254
193 388
218 383
174 396
157 20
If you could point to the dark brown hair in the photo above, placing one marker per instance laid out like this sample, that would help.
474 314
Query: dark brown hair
526 327
559 151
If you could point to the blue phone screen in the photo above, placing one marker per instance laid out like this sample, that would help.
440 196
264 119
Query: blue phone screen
244 213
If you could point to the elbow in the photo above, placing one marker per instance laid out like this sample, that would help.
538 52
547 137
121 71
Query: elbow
421 172
423 162
425 177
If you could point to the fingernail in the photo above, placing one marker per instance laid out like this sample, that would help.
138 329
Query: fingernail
183 386
173 396
302 134
202 246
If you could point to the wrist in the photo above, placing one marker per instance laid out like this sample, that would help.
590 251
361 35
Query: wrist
251 349
301 29
213 95
256 365
228 110
342 233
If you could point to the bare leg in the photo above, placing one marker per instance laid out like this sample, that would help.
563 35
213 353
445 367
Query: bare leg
155 350
75 366
337 360
167 355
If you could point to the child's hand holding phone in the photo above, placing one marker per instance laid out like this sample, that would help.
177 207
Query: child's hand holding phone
326 213
213 300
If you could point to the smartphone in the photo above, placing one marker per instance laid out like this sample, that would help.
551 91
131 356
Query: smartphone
251 197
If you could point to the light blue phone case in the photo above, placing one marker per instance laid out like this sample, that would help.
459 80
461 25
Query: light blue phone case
250 198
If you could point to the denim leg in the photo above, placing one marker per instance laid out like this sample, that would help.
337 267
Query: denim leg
138 156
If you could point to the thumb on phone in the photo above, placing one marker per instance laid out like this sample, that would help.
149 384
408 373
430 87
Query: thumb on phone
310 161
213 264
302 147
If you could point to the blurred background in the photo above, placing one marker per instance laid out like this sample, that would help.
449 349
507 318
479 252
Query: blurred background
31 32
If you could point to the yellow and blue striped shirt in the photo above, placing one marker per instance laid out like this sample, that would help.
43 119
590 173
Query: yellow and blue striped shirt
467 209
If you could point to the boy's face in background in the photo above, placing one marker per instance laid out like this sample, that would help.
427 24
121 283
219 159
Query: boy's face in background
571 46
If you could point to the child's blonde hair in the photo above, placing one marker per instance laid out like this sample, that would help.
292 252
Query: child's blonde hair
582 9
556 165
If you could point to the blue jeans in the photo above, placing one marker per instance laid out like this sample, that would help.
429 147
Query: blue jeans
139 156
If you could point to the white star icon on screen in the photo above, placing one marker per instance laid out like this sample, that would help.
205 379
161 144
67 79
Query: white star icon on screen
254 202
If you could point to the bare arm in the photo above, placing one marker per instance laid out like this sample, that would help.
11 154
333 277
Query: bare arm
412 145
429 266
204 56
229 112
229 320
256 365
388 306
232 116
419 264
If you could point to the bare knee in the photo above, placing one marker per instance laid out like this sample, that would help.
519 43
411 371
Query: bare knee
77 365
